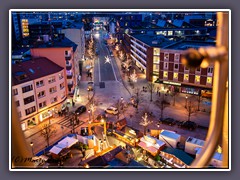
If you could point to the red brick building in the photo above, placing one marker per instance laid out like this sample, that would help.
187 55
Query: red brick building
160 59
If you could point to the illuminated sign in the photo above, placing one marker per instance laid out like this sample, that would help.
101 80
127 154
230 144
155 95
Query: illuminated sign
172 83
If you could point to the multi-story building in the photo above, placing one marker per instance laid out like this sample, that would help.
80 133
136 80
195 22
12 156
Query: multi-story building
77 35
63 53
160 59
37 91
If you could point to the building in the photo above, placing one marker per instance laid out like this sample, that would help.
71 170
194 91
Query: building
194 146
192 143
160 60
77 35
37 91
63 52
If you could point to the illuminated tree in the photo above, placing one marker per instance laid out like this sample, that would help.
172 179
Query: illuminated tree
145 122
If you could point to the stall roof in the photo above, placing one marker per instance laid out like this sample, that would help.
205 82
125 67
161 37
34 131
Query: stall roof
217 156
55 150
184 157
67 142
170 134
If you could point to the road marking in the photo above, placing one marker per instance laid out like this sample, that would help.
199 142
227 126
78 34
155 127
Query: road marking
99 70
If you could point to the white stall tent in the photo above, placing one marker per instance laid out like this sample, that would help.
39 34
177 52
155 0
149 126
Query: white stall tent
170 138
67 142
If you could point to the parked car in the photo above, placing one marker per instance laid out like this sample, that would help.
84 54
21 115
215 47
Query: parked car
168 121
190 125
111 110
81 109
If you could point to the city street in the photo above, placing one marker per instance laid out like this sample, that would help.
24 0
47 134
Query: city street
116 85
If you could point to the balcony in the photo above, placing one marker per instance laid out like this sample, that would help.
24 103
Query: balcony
68 57
70 85
68 66
69 76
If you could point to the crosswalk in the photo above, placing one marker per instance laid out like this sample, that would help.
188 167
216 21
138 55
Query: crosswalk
66 122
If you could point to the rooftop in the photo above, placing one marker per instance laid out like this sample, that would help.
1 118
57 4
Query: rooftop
61 42
184 157
195 141
33 69
183 45
171 135
153 40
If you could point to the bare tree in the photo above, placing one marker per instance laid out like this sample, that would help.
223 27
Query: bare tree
190 109
199 100
120 107
174 94
145 122
162 103
151 87
47 132
137 98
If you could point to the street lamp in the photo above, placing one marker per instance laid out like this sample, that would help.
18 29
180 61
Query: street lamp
88 92
31 144
186 101
121 103
89 115
49 115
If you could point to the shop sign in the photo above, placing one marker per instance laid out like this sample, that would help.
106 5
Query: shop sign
172 83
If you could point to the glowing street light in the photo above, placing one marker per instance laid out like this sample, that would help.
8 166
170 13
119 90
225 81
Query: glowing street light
89 116
186 101
133 76
31 144
107 60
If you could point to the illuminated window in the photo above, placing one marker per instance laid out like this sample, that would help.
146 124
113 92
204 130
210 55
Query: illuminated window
156 51
186 77
209 80
156 67
197 78
170 33
165 74
175 75
156 59
166 56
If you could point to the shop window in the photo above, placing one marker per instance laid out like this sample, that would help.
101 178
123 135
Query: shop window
175 75
209 80
197 78
186 77
165 74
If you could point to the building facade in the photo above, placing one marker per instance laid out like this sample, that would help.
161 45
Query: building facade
160 60
38 91
63 53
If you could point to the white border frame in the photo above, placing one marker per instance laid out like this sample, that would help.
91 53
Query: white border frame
117 10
